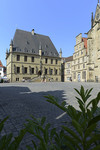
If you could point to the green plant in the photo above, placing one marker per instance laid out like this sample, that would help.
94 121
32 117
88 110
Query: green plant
84 135
7 142
48 139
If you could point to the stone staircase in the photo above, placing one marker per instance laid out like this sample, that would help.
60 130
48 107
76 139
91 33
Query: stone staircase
40 79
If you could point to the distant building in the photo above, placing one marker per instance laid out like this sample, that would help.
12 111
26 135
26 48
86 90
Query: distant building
2 70
68 68
93 64
79 64
32 55
86 58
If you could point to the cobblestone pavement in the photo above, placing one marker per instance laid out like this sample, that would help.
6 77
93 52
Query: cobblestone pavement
20 100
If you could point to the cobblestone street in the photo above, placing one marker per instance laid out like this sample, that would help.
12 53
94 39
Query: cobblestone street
20 100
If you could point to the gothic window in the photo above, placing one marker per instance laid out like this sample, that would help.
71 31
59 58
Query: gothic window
56 71
32 70
25 69
46 60
51 61
18 57
46 71
51 71
17 79
25 58
32 59
18 69
56 61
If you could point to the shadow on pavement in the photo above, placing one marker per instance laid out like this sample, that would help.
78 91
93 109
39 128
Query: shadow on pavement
19 103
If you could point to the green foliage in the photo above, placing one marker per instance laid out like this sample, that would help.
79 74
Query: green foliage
44 134
7 142
85 133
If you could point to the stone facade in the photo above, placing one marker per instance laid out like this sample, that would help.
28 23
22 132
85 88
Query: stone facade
93 66
86 58
27 62
68 68
79 64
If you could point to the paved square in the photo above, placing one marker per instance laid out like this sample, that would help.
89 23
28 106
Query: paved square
20 100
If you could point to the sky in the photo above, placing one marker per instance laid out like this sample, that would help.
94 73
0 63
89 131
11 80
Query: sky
61 20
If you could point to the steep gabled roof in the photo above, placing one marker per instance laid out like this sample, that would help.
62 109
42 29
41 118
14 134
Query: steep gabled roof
24 41
97 14
1 64
67 59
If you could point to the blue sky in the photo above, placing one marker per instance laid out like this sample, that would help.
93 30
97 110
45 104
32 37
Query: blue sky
61 20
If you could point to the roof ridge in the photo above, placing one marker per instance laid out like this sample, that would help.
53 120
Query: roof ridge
30 32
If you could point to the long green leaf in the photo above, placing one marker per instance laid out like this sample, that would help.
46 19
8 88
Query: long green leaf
43 121
92 140
90 103
78 127
89 130
35 146
52 133
94 120
79 100
72 141
2 123
72 133
96 148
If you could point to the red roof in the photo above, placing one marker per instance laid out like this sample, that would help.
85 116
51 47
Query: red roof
85 42
1 64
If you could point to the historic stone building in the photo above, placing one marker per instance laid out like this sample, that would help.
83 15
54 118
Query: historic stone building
86 58
68 68
32 56
93 44
79 64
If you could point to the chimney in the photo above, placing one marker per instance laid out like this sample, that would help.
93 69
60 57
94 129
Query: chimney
32 31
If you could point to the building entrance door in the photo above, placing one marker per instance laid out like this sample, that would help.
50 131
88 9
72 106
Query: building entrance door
79 77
